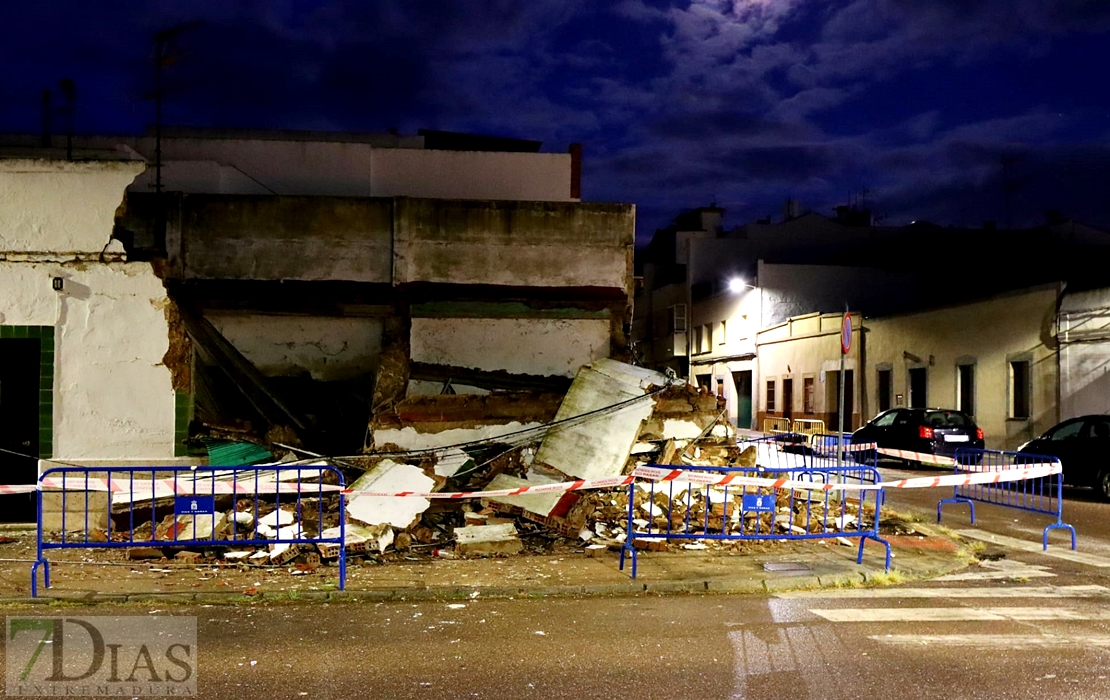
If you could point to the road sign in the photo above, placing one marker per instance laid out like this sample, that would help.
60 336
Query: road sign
846 334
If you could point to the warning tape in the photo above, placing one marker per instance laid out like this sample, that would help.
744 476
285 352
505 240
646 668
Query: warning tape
19 488
924 457
168 487
1028 472
146 488
558 487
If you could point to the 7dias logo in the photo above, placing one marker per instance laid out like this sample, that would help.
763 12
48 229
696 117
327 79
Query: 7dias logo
132 656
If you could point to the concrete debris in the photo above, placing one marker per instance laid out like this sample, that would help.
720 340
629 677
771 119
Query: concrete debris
542 504
451 462
197 527
600 447
140 553
390 477
595 550
487 540
276 519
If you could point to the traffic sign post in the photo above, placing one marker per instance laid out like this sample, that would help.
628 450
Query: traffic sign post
845 346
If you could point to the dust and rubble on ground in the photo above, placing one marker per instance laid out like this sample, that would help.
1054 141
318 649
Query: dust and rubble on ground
613 418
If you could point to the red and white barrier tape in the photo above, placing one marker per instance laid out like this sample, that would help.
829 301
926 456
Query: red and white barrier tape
704 479
924 457
168 487
580 485
157 488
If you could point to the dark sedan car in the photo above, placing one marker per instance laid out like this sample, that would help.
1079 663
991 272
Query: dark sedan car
1083 446
938 431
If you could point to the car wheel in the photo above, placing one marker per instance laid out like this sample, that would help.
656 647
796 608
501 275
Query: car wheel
1103 484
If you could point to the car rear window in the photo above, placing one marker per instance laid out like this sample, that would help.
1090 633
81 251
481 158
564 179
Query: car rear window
947 419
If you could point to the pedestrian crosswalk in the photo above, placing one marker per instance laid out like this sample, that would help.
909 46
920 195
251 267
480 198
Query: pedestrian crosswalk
1048 608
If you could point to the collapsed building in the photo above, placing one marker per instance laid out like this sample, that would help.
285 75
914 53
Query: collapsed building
430 343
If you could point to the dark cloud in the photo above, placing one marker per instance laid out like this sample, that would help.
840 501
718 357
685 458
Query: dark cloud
744 102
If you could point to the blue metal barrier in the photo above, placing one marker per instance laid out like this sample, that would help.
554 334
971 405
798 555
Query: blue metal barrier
199 499
688 511
1043 495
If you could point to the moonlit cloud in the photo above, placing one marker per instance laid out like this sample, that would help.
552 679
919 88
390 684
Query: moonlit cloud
741 102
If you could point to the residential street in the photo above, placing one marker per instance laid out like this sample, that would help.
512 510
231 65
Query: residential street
1040 630
1020 624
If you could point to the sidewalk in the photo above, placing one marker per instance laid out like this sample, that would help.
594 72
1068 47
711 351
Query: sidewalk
93 576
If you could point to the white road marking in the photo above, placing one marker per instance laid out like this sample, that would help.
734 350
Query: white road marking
1001 569
1005 641
956 614
1054 550
948 592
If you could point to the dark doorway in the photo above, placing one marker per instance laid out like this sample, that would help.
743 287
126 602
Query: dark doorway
833 396
743 382
917 388
884 389
19 423
787 398
967 389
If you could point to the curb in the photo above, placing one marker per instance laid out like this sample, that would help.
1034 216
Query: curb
631 588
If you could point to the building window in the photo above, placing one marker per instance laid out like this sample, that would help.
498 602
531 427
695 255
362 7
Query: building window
724 331
1020 389
697 340
807 395
708 338
965 388
678 318
770 395
886 381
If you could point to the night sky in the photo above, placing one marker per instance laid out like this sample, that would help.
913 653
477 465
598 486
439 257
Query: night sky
937 108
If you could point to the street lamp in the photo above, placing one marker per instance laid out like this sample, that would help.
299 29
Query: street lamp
737 284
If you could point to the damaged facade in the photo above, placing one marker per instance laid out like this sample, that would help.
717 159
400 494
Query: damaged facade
433 341
83 332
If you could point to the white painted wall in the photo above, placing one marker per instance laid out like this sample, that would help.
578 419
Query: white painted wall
113 397
59 206
267 166
553 347
1084 337
330 349
541 177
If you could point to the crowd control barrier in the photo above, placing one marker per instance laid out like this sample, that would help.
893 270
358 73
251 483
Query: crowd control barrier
685 510
808 426
776 425
1040 495
98 507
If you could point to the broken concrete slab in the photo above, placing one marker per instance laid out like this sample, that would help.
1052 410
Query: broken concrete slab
197 527
486 540
540 503
277 518
390 477
450 462
601 446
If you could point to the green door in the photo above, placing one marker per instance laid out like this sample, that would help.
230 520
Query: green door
743 381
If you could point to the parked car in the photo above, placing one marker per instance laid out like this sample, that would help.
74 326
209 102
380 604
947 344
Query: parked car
938 431
1083 446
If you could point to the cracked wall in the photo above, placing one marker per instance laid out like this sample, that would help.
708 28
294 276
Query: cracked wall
552 347
327 349
113 395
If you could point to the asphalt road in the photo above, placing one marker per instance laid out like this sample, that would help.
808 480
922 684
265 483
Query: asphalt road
1027 624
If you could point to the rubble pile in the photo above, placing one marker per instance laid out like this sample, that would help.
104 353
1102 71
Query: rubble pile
507 440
